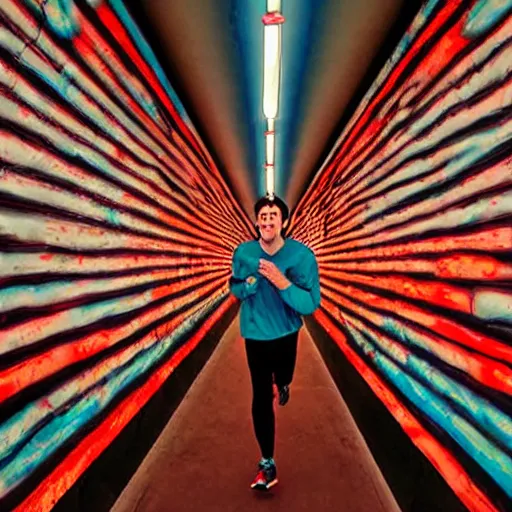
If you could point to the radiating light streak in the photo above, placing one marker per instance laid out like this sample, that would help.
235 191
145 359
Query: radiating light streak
90 448
449 467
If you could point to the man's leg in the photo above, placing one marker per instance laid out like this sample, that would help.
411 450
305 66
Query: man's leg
286 357
260 366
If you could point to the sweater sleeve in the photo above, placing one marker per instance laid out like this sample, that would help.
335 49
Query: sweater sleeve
304 299
237 282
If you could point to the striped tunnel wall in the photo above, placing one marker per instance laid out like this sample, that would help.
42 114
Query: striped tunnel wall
410 218
116 235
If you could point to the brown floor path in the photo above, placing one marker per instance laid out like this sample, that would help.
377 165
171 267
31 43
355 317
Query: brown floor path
206 456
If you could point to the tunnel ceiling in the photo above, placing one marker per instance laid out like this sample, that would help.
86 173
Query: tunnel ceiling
213 52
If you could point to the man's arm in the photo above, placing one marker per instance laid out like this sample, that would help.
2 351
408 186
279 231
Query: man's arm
304 300
238 283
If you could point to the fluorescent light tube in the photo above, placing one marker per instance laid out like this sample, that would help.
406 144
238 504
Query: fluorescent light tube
272 68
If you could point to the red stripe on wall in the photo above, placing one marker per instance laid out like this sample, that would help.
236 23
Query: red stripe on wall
442 459
53 487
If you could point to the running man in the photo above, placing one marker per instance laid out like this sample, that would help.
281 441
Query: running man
276 279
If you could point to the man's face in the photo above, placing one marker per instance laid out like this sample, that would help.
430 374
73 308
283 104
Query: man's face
270 223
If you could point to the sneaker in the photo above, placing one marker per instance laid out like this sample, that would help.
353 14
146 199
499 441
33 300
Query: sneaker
267 475
284 395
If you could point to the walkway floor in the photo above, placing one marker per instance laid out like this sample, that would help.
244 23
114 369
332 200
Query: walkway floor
206 456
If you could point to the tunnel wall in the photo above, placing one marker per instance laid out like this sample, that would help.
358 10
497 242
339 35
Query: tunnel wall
410 219
116 234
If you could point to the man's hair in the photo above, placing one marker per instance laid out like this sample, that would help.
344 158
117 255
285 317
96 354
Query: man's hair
272 201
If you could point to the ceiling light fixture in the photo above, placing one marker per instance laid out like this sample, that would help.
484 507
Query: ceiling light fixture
272 55
270 148
273 5
272 22
270 179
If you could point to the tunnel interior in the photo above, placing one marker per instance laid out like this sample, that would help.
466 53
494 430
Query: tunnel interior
133 145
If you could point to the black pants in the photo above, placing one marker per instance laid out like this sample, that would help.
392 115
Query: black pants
269 361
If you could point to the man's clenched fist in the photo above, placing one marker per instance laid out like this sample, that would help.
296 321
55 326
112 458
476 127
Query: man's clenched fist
273 274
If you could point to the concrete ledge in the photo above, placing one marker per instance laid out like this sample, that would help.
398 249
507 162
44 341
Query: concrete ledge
415 483
99 487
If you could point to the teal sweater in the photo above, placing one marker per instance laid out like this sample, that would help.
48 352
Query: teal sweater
266 312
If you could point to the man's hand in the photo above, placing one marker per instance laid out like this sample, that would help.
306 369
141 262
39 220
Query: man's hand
273 274
250 280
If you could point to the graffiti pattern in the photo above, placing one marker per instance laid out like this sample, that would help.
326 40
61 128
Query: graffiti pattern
116 235
410 219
